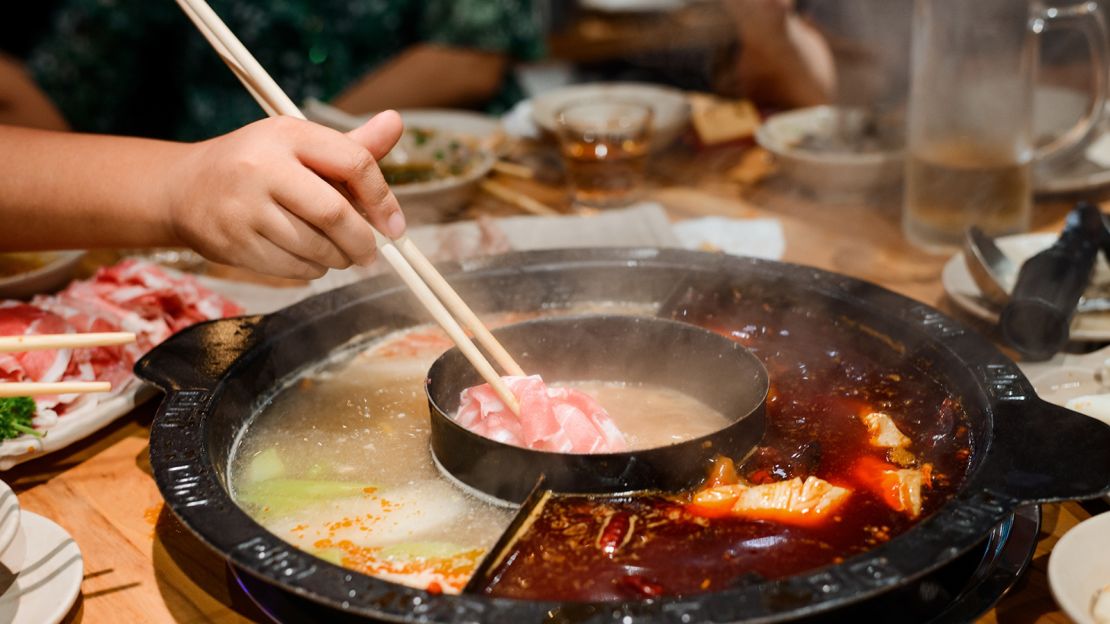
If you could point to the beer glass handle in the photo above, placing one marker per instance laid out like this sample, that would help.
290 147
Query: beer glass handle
1090 20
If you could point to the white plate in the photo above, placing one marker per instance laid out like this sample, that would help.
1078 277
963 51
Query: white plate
1079 566
75 425
46 588
13 544
670 110
1076 381
958 283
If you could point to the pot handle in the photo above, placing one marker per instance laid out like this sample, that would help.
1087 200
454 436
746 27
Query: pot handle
1046 453
197 357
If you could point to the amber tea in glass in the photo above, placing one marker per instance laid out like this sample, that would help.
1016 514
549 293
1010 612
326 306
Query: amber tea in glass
605 148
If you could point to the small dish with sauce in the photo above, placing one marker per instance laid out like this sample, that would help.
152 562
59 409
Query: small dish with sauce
435 168
837 154
434 172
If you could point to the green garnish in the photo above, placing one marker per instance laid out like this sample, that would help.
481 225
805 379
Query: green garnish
420 136
16 414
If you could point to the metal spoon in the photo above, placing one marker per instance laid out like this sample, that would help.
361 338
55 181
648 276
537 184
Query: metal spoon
990 268
994 274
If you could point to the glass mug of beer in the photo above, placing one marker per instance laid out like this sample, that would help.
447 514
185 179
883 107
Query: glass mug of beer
605 145
970 148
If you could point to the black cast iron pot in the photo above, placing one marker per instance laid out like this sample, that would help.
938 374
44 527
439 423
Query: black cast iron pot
216 375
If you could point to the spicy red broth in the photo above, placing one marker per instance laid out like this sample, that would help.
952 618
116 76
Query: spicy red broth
827 377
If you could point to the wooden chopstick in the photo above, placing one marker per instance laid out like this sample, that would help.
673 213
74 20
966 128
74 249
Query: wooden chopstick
513 169
405 258
225 55
38 388
518 199
15 344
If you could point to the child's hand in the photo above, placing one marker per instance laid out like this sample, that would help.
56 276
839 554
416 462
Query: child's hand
288 197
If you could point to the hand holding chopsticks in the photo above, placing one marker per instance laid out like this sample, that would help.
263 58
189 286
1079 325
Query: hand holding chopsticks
409 263
11 344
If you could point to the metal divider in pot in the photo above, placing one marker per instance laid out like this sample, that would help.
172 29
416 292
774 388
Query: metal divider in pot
631 350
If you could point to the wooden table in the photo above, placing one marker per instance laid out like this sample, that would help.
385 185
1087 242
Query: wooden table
141 565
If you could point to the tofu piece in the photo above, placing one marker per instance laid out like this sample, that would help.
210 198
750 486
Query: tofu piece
899 488
904 485
794 501
885 434
791 502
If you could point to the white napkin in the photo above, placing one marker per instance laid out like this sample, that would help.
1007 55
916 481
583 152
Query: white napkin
761 238
518 122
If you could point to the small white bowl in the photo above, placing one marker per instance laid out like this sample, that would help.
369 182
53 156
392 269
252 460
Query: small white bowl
830 175
13 544
439 200
1080 566
47 278
669 108
433 201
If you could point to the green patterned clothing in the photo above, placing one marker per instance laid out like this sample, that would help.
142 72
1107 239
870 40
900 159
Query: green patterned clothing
140 67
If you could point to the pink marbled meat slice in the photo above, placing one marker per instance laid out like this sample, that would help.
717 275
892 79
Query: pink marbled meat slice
132 296
21 319
562 420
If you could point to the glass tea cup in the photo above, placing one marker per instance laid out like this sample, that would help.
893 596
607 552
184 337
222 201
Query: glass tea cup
605 147
970 143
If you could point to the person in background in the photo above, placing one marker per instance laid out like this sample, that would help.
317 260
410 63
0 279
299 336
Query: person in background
783 59
280 196
772 55
140 67
22 102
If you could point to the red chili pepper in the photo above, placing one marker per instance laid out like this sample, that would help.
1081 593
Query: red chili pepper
641 585
615 533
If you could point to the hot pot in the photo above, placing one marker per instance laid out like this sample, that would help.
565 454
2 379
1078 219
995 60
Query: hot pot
216 375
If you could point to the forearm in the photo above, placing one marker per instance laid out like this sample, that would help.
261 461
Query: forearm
427 76
794 69
60 190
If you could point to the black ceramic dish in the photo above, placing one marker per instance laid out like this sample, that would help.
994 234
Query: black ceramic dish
699 363
217 374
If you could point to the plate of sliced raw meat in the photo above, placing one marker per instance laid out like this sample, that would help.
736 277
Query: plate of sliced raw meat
132 296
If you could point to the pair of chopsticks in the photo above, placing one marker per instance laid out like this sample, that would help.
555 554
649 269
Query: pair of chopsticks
14 344
405 258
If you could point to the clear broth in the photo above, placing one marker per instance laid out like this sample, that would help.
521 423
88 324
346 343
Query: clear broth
338 463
